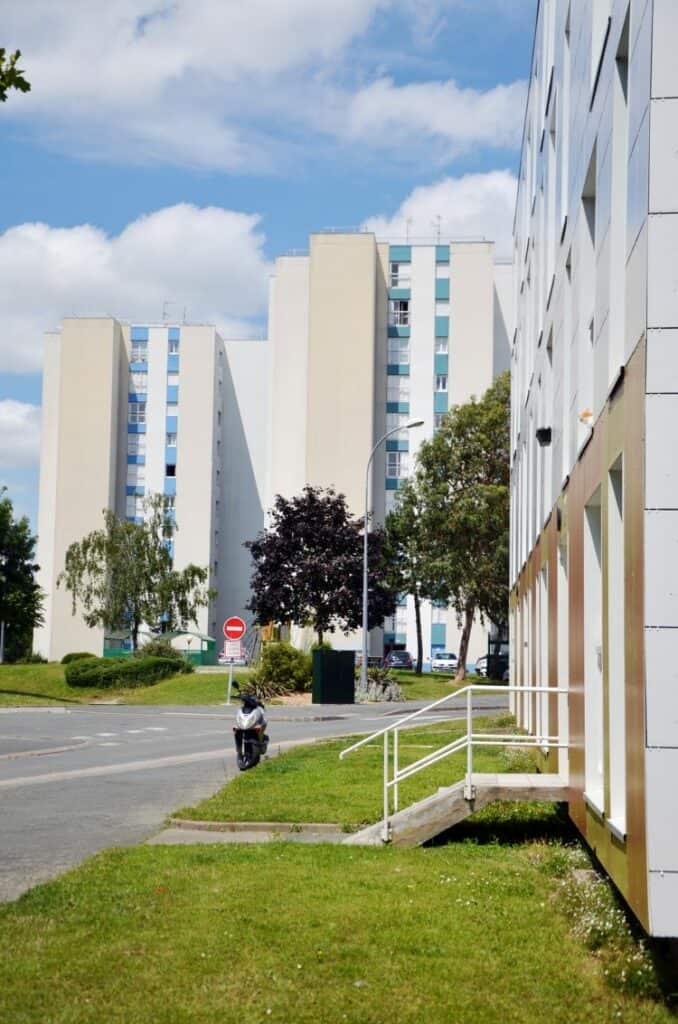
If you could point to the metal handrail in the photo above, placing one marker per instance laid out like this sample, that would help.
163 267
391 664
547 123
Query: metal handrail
467 741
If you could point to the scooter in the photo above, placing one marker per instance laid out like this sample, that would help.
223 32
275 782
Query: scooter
251 741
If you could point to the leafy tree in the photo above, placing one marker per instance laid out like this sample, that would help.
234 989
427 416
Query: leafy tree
122 576
20 596
308 566
462 481
406 555
11 77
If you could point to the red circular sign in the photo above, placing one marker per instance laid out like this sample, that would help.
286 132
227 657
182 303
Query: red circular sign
234 628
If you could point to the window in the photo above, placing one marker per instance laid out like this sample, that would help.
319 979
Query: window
442 271
396 465
398 389
138 383
136 444
390 501
173 346
399 312
136 476
170 469
442 308
136 412
441 382
139 352
134 506
438 420
399 350
400 275
442 346
171 440
399 420
172 380
438 615
172 409
170 502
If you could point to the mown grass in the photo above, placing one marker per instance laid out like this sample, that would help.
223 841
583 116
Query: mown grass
311 784
325 934
26 685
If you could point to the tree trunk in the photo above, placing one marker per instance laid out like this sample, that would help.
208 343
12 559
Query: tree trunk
320 636
135 634
469 612
420 643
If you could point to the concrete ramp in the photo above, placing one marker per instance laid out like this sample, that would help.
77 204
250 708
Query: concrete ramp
422 821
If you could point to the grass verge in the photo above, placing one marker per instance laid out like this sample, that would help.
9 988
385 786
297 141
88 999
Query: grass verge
460 933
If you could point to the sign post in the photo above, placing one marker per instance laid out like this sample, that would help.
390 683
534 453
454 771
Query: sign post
234 630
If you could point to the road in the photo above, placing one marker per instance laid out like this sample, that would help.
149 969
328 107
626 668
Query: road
76 780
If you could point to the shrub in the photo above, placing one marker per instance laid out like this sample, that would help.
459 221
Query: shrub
262 690
158 648
284 667
35 658
122 672
76 656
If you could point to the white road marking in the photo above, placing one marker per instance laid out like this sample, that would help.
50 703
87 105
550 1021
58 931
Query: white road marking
81 737
134 731
156 728
108 743
107 734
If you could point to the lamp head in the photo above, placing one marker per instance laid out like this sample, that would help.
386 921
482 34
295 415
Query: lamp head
415 423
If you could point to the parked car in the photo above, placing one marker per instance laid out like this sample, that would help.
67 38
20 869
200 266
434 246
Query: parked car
398 659
444 661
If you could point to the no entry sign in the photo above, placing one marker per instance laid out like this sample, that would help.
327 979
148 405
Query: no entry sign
234 628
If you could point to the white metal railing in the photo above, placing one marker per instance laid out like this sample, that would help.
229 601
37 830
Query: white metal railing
468 741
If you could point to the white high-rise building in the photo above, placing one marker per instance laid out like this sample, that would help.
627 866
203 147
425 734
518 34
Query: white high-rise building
365 336
130 411
594 538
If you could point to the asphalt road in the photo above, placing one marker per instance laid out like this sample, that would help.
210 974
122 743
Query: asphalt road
76 780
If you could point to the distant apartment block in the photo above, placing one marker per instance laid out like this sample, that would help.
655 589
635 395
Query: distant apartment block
594 535
365 336
130 411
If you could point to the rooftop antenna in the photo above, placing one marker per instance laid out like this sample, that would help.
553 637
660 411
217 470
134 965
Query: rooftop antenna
166 303
436 222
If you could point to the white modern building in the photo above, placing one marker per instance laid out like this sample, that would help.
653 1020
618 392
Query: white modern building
594 536
130 411
365 336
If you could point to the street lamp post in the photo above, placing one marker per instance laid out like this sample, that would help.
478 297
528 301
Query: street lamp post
363 664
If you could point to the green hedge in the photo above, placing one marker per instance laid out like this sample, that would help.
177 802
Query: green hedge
122 672
76 656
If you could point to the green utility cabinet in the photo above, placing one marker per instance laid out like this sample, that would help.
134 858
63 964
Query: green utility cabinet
333 677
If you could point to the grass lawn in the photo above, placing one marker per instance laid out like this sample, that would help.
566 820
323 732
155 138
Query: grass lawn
311 784
44 684
457 934
433 685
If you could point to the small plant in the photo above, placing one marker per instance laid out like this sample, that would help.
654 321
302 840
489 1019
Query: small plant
263 690
76 656
284 668
32 659
158 647
517 759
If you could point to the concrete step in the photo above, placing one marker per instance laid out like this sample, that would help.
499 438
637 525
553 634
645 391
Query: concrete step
428 818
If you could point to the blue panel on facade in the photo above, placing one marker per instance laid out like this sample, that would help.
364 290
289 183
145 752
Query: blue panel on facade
134 490
442 254
398 332
397 407
173 364
173 333
389 638
442 327
400 638
442 288
136 428
137 396
171 456
391 485
400 293
440 401
136 460
139 367
400 253
441 362
170 485
397 446
398 370
139 334
171 424
438 633
173 393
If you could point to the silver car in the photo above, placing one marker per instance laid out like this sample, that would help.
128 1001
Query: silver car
444 661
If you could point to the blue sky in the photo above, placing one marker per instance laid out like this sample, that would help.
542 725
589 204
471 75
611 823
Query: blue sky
170 149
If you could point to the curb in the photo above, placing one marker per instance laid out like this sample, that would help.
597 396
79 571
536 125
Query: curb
255 826
37 753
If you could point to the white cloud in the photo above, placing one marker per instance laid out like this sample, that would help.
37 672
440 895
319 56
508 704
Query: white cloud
473 206
208 261
19 434
238 84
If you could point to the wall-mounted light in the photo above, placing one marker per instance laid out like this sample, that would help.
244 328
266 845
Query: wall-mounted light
543 435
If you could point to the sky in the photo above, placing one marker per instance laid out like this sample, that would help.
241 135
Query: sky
169 150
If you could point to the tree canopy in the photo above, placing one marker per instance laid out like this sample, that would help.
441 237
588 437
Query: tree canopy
407 555
123 576
308 566
462 482
20 596
11 76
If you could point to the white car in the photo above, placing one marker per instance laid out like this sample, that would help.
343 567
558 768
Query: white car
444 661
